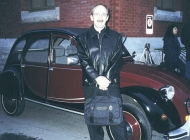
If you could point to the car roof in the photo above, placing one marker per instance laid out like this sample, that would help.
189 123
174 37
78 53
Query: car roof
72 31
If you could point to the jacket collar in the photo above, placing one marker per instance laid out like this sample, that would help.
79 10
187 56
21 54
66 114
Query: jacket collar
93 32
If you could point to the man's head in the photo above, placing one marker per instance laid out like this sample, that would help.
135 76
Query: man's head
99 15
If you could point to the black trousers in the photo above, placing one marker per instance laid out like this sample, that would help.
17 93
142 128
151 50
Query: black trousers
96 132
119 132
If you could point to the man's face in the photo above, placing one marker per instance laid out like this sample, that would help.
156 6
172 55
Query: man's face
99 17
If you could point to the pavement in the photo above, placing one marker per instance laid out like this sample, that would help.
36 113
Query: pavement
44 123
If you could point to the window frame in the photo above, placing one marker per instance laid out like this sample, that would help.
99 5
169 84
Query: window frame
45 7
163 7
60 41
28 50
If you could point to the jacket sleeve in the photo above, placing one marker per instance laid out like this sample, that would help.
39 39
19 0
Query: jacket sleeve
86 63
183 36
185 33
116 61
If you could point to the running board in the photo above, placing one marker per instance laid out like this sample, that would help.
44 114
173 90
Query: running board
60 108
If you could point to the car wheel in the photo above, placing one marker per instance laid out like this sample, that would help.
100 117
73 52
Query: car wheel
138 126
12 107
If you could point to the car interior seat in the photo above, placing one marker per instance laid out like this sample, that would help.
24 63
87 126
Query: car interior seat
71 49
59 55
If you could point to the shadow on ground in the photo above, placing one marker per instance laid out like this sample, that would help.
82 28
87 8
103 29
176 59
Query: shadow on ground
10 136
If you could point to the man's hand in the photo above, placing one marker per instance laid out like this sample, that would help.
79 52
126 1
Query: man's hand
103 82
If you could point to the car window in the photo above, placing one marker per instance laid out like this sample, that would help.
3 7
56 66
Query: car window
19 47
38 51
65 42
16 52
64 51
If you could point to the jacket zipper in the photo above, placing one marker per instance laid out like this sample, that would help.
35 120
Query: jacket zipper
100 42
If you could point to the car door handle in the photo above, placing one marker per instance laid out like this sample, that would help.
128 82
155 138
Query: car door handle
22 66
51 68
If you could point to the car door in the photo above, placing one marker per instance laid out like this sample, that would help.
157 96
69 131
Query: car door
65 79
35 64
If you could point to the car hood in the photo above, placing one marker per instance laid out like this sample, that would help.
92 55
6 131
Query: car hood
156 78
152 76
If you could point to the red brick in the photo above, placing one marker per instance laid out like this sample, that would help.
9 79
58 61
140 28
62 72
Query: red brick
126 15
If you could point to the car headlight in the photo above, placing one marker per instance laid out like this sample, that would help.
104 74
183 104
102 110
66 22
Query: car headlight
167 92
187 103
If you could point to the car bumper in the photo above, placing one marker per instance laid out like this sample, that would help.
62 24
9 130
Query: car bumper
179 133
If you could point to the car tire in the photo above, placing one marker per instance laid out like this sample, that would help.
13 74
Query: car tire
12 107
138 126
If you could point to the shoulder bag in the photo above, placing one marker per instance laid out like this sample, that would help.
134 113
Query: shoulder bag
103 110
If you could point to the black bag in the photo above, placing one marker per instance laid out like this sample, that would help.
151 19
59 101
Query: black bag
103 110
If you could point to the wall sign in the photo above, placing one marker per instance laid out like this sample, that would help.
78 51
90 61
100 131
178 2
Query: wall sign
149 24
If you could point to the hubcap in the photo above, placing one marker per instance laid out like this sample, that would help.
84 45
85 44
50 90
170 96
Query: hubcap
9 105
134 125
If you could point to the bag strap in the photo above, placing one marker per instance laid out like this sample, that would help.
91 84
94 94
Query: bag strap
96 90
91 117
111 117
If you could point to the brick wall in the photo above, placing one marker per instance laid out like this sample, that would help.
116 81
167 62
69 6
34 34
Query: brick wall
10 25
127 16
73 13
185 7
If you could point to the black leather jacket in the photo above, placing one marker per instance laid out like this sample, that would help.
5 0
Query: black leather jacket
100 54
185 39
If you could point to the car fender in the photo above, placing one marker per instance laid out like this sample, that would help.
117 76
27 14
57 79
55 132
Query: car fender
10 84
159 112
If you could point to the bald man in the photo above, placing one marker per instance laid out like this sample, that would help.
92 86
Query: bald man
100 54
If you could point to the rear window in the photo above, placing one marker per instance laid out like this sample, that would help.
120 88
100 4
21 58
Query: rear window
19 47
38 51
16 53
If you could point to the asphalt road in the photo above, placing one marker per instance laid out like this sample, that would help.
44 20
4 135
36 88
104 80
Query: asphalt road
43 123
